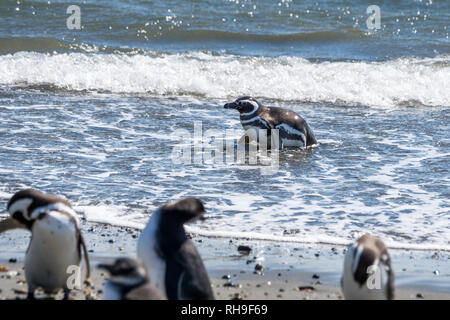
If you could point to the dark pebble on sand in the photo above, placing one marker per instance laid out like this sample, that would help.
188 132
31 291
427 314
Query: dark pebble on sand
244 249
111 241
236 296
419 295
315 276
12 260
229 284
306 288
226 277
317 255
259 267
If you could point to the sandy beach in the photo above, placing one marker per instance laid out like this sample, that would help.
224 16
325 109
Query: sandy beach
289 271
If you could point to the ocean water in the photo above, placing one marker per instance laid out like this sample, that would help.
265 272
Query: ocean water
92 114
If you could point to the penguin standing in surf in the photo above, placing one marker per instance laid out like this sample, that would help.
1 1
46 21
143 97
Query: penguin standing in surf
368 273
56 241
293 129
172 261
128 281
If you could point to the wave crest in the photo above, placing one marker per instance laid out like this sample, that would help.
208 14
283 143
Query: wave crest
386 84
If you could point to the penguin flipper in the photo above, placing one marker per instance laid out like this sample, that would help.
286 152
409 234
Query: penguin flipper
191 281
86 256
10 224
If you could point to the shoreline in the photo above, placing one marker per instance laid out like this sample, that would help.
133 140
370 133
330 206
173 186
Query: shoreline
291 271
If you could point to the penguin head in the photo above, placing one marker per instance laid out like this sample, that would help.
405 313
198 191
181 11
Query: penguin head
125 272
23 203
245 104
368 251
184 211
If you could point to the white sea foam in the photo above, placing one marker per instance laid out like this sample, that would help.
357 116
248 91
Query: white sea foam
113 215
381 84
119 216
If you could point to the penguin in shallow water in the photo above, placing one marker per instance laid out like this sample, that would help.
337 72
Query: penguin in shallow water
171 259
293 129
56 241
368 273
128 281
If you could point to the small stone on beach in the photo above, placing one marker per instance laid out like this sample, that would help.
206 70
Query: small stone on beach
245 250
230 284
236 296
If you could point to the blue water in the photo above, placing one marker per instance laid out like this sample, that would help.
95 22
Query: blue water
91 114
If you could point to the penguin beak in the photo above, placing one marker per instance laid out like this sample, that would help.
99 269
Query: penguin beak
231 105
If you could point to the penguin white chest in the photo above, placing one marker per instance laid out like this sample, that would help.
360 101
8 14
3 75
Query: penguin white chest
53 248
147 246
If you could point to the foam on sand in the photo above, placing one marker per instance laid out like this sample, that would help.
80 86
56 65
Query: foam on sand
382 84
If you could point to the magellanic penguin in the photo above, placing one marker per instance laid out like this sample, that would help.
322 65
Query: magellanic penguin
172 261
56 241
128 281
368 273
293 129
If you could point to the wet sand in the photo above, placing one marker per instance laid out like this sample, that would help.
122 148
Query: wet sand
290 271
